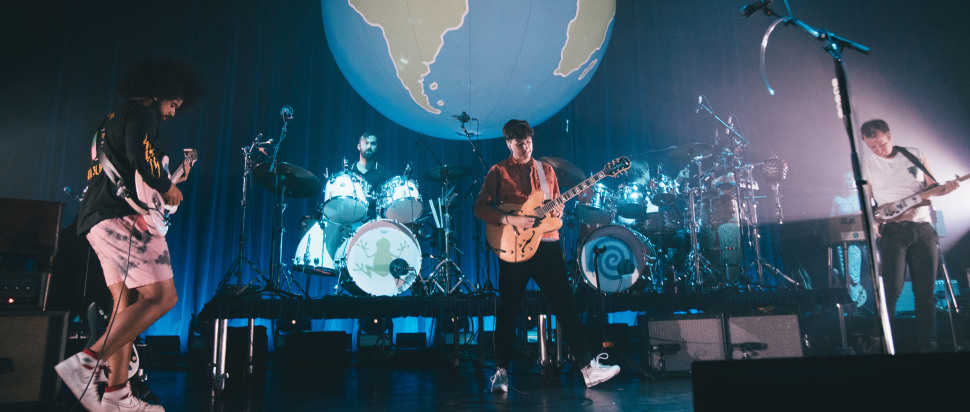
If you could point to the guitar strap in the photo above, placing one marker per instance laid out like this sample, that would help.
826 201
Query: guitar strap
912 158
542 179
121 191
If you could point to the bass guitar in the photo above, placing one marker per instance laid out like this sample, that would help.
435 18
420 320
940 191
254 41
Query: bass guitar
514 245
890 211
157 211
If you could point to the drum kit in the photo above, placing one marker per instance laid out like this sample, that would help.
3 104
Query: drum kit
683 233
382 255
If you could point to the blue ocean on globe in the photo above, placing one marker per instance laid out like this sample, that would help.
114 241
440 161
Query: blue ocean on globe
424 63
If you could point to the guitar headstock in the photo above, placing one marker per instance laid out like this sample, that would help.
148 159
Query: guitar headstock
190 156
617 166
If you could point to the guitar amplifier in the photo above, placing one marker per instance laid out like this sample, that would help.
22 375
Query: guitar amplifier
24 290
846 229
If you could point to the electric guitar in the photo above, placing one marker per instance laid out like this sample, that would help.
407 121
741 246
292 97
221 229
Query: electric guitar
157 211
890 211
513 245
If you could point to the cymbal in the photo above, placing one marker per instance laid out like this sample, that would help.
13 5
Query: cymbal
442 173
298 181
567 173
690 151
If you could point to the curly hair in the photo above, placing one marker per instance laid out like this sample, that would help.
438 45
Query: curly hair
162 78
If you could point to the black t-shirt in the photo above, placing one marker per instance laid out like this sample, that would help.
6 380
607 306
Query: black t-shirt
129 134
375 178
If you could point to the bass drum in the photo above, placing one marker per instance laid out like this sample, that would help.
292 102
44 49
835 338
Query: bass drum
318 244
625 260
366 258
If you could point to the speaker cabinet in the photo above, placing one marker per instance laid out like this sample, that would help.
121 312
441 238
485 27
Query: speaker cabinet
31 343
699 337
754 337
909 382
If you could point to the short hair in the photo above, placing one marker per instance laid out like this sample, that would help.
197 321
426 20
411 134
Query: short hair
517 130
162 78
870 128
366 135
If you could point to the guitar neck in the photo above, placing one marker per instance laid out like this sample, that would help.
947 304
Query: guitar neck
938 188
569 194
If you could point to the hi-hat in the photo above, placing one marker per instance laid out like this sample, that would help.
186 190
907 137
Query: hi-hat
442 173
690 151
297 181
567 174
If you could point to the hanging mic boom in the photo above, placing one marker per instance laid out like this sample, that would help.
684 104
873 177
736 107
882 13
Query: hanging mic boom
700 103
286 112
750 9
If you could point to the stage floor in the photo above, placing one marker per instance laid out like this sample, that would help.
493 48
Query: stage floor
413 382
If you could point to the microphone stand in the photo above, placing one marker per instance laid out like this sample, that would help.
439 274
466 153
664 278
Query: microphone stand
486 286
834 45
236 267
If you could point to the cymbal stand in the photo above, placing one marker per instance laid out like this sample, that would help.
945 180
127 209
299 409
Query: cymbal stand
235 269
279 280
447 269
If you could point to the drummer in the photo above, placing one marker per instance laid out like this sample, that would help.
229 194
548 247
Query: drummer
367 167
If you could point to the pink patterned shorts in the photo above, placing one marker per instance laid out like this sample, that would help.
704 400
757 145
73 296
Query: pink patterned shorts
128 254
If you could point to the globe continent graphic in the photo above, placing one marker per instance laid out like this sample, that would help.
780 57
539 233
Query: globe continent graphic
421 63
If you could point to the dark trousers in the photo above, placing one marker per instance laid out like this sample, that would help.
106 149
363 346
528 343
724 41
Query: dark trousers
548 269
915 244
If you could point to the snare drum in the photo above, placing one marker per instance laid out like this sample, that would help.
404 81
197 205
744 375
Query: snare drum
399 199
621 258
597 207
368 256
345 198
631 202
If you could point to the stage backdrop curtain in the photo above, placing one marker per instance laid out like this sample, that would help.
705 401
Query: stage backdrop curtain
64 58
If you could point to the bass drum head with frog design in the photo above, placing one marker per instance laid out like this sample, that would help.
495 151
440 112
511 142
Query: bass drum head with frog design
369 256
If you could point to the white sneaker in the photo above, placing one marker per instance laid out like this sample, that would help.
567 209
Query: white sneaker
596 373
124 400
76 372
500 381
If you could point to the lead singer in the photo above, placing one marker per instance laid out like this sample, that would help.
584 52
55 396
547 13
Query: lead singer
511 181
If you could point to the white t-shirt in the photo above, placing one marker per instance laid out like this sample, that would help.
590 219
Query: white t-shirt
896 178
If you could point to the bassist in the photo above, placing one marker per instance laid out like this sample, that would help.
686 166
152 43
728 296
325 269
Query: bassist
511 182
910 239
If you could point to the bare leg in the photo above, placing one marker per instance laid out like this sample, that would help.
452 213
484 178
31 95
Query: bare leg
137 312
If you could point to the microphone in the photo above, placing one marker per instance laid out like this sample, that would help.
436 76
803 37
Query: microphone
398 268
700 103
407 171
750 9
346 165
286 112
463 117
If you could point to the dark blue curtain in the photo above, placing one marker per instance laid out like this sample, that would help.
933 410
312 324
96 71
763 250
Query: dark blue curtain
63 59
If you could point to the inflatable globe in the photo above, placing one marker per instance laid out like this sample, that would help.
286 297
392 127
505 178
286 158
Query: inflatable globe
423 63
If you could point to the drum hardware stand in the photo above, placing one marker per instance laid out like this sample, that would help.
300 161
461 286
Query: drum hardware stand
754 234
235 269
447 269
699 264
